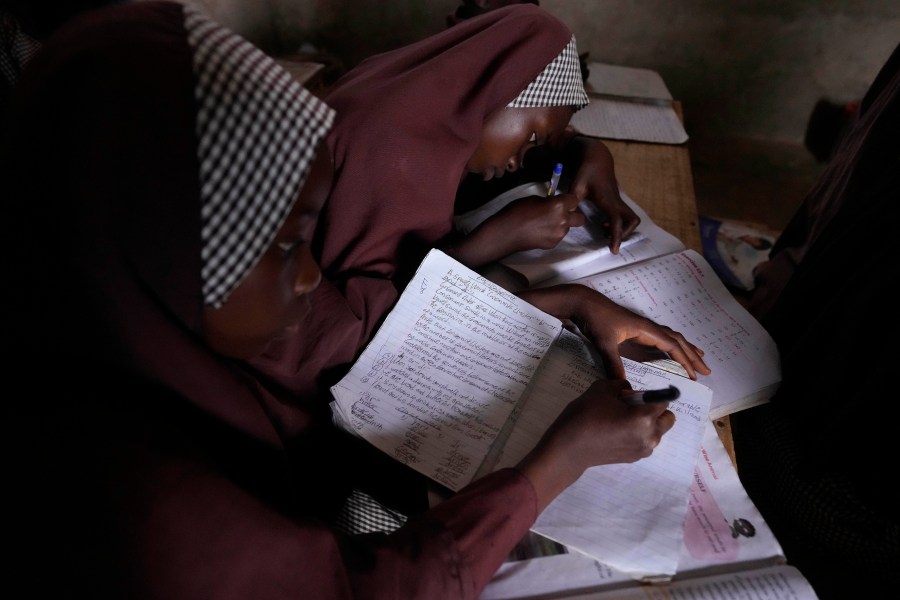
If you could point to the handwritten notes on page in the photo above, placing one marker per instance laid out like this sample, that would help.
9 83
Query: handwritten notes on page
723 533
463 378
682 291
723 529
445 371
628 516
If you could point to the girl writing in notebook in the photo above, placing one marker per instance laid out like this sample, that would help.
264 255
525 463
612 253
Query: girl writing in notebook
164 178
480 97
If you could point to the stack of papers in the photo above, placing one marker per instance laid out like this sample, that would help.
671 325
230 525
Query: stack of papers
628 103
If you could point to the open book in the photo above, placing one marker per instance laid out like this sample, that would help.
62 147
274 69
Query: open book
782 582
682 291
654 275
464 377
728 551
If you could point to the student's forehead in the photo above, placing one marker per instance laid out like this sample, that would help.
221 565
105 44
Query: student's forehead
551 116
525 118
525 121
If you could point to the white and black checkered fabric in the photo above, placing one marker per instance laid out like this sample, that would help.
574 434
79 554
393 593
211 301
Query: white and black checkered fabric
16 48
559 84
363 514
258 130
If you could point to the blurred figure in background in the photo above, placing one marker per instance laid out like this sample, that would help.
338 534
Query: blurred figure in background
819 459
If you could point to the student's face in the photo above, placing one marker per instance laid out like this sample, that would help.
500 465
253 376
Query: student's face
509 133
272 299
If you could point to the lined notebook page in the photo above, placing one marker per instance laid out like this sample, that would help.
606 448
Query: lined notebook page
628 516
445 370
682 291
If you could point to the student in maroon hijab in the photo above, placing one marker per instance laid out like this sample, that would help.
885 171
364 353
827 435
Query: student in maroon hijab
820 460
411 125
164 178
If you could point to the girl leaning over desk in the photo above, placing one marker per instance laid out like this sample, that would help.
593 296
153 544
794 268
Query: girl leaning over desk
164 178
412 126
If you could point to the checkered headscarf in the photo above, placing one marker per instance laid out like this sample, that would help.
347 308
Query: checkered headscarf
16 48
559 84
258 130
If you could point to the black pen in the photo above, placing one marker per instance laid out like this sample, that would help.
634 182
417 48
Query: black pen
636 397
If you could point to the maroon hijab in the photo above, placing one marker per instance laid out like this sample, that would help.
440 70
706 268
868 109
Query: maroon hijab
152 157
135 169
407 122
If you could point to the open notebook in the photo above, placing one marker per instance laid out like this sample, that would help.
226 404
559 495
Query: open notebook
464 377
728 551
656 276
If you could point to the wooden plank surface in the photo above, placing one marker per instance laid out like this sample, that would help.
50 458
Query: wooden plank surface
658 177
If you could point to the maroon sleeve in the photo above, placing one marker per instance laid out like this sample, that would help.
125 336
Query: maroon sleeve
203 537
456 547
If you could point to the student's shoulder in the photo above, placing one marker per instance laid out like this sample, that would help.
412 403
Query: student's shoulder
528 15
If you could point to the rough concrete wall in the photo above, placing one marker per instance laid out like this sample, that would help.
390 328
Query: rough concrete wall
751 68
350 30
744 67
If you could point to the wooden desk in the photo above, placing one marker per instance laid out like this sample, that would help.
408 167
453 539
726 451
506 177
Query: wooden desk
658 177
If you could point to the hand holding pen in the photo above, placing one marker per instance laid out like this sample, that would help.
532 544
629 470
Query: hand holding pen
638 397
596 428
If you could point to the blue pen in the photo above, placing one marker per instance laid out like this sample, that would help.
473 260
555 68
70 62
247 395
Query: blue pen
554 180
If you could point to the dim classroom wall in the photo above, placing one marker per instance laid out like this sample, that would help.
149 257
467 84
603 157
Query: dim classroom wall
741 68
